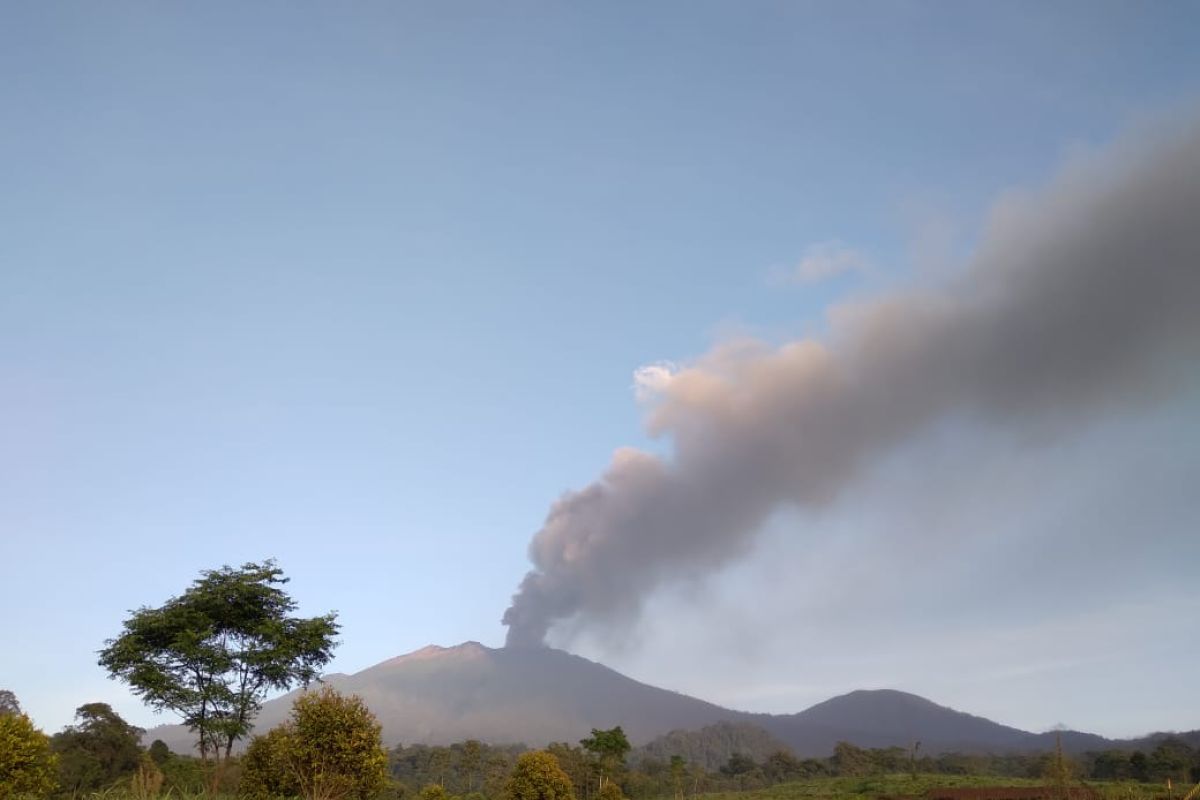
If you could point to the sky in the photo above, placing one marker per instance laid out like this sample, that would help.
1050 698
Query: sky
366 290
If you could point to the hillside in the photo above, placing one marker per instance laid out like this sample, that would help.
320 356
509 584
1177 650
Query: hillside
712 746
438 695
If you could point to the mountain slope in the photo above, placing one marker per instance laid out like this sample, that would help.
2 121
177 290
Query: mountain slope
438 695
884 718
713 745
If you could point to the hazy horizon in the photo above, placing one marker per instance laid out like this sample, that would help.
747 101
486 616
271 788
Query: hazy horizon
762 353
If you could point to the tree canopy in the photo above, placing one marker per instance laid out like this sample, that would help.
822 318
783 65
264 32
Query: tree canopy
329 749
538 776
212 654
98 749
609 747
27 766
8 702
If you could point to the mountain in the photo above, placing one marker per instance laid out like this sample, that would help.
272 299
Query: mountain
439 695
886 718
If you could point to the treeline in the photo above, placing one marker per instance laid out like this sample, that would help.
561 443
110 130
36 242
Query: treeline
212 653
652 772
1172 758
101 751
98 752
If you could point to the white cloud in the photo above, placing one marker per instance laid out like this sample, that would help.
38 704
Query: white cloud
826 260
650 380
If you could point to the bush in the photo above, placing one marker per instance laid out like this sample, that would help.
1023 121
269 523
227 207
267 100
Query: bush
27 766
538 776
611 791
330 749
265 770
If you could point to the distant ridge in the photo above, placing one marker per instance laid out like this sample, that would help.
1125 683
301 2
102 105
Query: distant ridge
438 695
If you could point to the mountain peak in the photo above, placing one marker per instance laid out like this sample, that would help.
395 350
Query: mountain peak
438 695
431 651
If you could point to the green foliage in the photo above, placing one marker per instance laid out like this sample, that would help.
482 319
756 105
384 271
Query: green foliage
782 766
147 780
98 750
850 760
609 747
538 776
159 752
434 791
678 773
711 746
8 703
471 759
461 768
212 654
266 772
329 749
739 764
1172 759
611 791
186 775
27 765
577 764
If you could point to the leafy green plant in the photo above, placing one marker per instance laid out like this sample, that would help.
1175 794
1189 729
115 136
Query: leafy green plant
27 765
212 654
329 749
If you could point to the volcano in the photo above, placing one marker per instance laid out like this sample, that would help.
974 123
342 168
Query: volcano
438 695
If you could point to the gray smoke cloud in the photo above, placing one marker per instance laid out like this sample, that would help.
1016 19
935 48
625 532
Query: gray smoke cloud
1081 299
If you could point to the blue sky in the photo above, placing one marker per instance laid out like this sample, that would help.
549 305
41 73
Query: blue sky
364 291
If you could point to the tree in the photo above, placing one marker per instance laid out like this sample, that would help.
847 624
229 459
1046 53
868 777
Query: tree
1170 759
27 765
1139 766
538 776
329 749
678 772
265 769
850 760
575 762
609 747
212 654
782 766
8 703
98 749
739 764
159 752
434 791
439 762
472 754
611 791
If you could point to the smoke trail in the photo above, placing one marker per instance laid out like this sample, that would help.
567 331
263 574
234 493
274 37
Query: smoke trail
1080 299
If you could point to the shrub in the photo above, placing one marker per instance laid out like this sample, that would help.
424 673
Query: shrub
538 776
330 749
611 791
27 766
265 770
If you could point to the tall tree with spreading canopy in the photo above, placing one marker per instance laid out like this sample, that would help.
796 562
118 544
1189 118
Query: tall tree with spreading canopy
97 750
212 654
609 747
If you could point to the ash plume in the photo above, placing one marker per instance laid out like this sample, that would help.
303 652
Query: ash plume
1081 299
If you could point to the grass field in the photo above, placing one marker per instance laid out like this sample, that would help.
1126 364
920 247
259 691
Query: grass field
905 785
